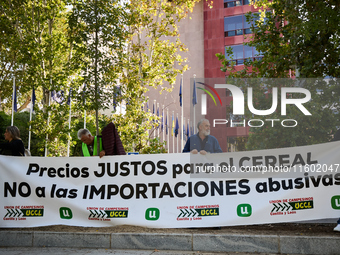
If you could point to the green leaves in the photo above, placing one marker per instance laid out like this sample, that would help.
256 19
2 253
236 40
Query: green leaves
296 38
92 47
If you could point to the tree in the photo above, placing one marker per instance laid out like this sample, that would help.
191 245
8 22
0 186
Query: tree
295 38
33 45
97 33
104 50
303 35
152 58
35 51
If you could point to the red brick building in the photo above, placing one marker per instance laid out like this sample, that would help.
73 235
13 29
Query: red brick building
225 25
208 32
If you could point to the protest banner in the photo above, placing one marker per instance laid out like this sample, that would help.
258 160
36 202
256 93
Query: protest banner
172 190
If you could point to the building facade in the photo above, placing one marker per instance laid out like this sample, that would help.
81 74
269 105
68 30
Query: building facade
206 32
225 25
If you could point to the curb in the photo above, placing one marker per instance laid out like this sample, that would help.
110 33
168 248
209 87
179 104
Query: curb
182 242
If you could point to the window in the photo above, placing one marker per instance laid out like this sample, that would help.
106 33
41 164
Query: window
233 3
236 25
242 52
233 26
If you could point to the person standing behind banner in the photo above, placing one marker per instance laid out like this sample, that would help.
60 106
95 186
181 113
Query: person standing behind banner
110 143
89 143
202 142
14 146
337 138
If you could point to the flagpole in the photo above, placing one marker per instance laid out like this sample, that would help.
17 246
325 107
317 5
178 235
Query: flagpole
163 124
182 118
194 104
188 129
69 127
13 98
149 131
154 113
191 129
48 121
84 111
177 134
30 130
172 132
84 119
158 122
183 132
168 138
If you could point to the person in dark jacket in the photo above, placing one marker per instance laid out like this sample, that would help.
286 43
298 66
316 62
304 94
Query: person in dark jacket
14 145
109 142
202 142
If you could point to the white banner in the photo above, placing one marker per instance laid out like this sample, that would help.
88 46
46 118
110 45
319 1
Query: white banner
172 190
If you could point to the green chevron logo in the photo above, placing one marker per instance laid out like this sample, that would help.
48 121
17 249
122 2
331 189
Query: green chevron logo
199 212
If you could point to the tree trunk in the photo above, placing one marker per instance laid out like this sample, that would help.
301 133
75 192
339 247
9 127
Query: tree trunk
96 77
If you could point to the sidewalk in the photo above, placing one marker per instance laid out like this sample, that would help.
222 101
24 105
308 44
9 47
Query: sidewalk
83 251
285 238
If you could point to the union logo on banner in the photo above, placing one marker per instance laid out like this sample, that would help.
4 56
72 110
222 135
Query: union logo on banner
291 206
197 212
107 213
21 212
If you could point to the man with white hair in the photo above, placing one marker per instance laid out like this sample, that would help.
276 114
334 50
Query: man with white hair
89 143
109 142
202 142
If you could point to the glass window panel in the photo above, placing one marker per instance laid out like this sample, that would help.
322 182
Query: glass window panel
238 3
248 52
238 51
239 24
246 24
242 52
228 57
228 1
232 23
239 62
245 2
239 32
231 33
247 31
231 4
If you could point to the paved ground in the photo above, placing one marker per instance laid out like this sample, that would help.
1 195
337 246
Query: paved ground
312 228
284 238
73 251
